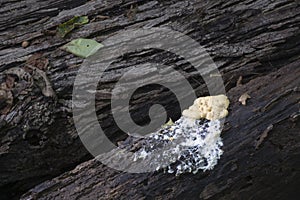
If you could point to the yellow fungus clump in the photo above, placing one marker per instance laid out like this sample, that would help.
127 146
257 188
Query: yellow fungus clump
210 107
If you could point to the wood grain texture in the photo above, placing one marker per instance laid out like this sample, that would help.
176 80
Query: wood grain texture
244 171
255 39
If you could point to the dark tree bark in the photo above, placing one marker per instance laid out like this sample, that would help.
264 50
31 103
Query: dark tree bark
259 162
254 39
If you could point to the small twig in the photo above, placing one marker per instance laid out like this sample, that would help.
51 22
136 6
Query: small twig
239 81
263 136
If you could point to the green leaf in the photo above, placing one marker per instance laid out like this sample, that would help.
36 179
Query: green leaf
169 123
82 47
67 27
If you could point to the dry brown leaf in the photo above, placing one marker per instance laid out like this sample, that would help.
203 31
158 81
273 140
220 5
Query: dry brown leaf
37 60
244 98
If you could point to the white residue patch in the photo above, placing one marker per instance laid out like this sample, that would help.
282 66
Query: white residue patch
188 145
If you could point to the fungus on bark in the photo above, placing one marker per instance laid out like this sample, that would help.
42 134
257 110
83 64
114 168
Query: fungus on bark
193 142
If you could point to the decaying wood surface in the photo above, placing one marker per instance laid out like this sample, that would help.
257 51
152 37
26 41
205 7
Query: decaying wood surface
245 171
257 40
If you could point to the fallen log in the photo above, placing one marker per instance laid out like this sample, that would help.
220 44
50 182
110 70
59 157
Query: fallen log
246 39
259 162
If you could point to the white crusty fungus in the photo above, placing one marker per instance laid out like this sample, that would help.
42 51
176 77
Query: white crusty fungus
210 107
